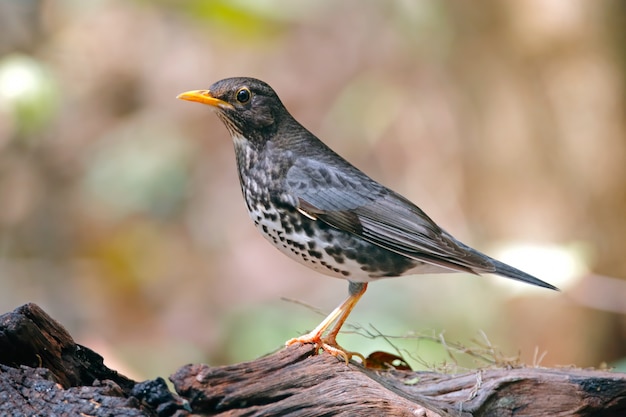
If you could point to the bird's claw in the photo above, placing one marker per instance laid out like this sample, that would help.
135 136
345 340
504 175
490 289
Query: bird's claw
327 344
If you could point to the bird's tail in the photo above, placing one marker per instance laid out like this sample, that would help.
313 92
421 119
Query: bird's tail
514 273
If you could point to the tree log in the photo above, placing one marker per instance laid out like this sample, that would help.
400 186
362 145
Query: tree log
44 372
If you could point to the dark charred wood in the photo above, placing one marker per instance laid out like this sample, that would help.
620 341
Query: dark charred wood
43 372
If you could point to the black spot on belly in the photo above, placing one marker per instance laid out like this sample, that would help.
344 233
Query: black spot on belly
325 264
315 254
379 262
308 228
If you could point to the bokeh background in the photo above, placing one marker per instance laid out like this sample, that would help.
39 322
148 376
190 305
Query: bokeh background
120 207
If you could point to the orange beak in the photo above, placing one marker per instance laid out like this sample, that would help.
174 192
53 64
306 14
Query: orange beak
204 97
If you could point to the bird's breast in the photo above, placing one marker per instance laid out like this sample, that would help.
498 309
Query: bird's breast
313 243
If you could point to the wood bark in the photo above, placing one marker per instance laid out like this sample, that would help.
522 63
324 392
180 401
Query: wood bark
44 372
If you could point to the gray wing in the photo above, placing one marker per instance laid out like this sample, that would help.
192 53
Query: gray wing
349 200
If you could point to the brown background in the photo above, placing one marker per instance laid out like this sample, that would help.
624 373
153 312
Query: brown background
121 213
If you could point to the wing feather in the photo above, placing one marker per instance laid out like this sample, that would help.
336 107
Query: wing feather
349 200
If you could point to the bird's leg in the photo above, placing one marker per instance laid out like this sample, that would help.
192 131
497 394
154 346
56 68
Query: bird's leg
329 343
339 316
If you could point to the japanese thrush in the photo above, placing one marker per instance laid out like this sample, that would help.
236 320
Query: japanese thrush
321 211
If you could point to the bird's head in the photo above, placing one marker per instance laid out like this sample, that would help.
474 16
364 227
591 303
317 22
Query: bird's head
248 107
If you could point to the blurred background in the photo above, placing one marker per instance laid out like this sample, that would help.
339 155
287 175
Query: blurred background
120 206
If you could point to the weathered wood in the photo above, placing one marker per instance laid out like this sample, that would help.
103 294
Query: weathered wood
294 381
44 372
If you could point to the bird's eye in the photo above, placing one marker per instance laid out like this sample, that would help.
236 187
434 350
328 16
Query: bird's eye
243 95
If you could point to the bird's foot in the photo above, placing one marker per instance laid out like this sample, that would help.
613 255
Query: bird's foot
327 344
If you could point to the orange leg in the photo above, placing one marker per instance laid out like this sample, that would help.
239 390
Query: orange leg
338 316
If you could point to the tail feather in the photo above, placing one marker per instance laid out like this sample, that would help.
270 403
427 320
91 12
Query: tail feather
514 273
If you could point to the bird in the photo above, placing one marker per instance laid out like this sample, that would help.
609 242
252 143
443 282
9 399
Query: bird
323 212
